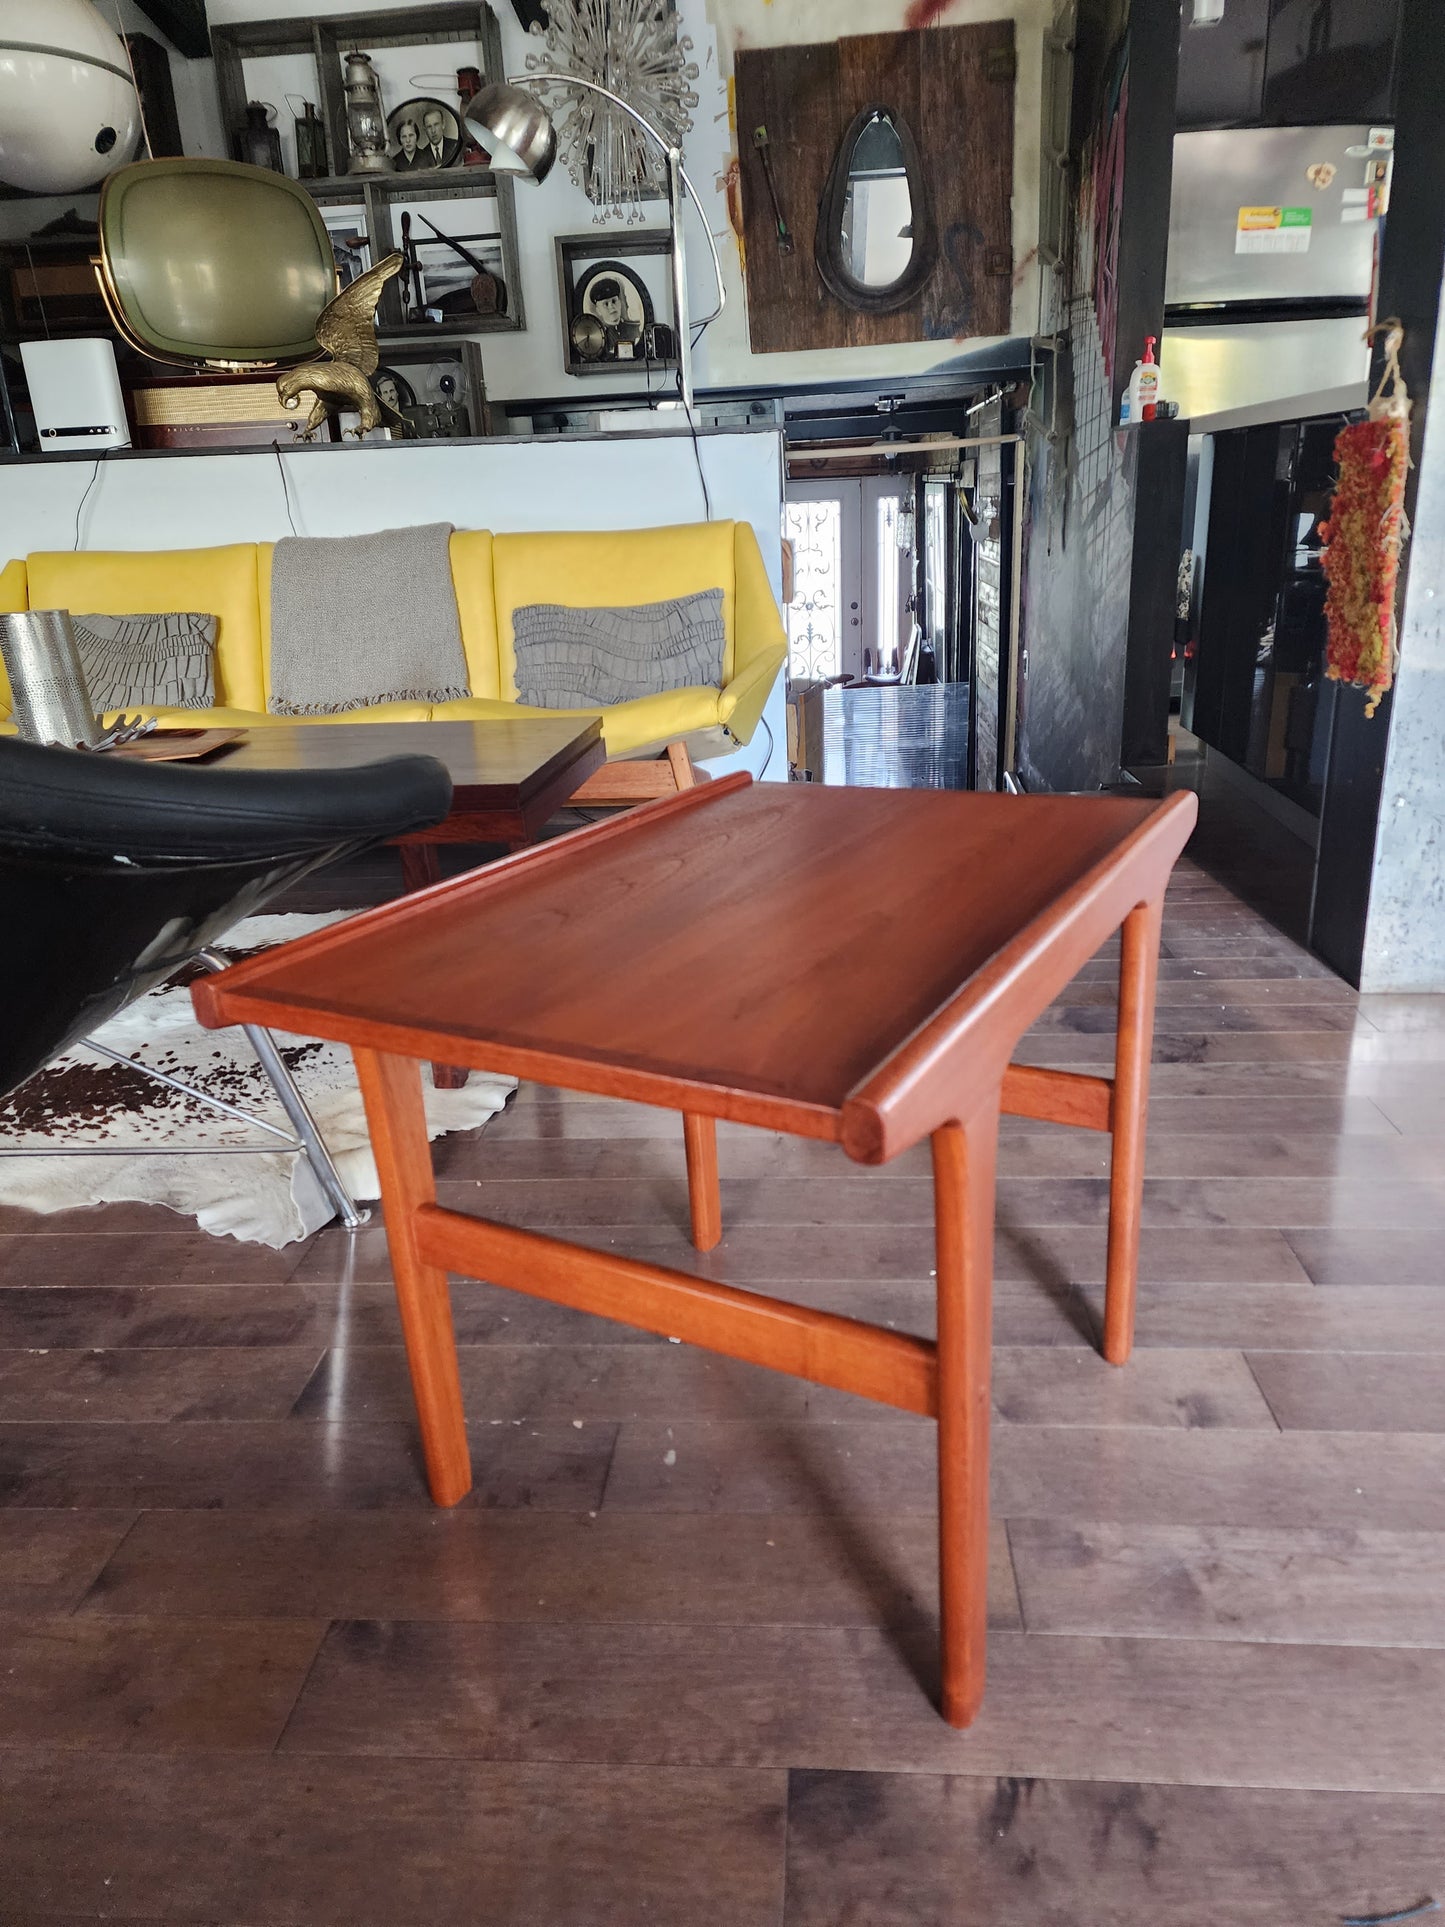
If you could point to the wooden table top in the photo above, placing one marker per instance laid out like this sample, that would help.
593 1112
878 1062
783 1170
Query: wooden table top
817 960
492 762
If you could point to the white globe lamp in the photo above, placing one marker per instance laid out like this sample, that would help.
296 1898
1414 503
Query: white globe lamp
68 108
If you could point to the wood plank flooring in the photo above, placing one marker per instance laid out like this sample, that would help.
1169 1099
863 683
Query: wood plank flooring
671 1661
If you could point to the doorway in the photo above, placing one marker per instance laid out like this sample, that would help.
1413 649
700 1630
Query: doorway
852 585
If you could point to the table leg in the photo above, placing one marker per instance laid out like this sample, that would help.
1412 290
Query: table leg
1138 976
704 1200
391 1089
421 866
964 1160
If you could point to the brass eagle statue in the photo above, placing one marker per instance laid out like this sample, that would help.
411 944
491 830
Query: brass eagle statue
346 329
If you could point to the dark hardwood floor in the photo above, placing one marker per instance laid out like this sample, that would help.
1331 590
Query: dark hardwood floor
671 1660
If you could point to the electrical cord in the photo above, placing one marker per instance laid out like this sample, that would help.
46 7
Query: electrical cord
772 741
85 497
285 484
696 449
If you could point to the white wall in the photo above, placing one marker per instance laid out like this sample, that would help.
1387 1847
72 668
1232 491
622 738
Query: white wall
531 363
181 501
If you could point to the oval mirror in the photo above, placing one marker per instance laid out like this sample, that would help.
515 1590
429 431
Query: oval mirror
875 242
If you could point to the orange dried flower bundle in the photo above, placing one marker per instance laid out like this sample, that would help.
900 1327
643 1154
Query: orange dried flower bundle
1363 537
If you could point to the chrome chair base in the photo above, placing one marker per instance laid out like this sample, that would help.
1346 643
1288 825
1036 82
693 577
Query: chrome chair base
307 1139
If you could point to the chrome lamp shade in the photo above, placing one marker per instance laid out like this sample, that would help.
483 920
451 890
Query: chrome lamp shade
516 122
518 129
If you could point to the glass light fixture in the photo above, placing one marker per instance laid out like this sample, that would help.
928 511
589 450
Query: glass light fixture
365 122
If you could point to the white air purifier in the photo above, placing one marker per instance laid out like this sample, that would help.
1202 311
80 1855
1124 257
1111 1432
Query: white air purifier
75 393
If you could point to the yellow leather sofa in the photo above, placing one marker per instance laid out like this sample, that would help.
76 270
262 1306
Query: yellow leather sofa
493 575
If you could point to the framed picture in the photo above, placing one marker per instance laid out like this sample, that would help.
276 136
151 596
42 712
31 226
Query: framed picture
350 240
453 270
616 297
437 388
459 249
392 389
423 133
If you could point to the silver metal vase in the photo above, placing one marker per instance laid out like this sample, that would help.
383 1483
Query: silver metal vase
47 682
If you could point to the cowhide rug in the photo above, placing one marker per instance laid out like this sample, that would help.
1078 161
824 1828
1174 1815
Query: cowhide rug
268 1199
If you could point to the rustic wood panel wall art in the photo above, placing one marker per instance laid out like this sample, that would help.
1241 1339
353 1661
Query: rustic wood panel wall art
954 86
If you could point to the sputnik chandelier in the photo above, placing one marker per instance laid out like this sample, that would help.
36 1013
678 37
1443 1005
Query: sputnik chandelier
633 48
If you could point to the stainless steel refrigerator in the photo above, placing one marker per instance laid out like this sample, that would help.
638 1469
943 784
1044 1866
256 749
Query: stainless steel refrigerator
1272 235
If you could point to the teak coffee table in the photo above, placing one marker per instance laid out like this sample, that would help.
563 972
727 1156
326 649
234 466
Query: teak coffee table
508 777
855 965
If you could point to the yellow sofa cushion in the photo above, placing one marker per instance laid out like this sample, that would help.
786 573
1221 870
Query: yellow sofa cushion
470 553
231 718
648 722
217 582
615 568
472 578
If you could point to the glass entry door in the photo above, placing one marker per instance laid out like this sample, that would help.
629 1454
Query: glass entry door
851 583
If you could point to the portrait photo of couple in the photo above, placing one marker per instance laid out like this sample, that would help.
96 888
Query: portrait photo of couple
421 134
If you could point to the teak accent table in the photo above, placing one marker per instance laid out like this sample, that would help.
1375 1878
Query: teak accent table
508 776
855 965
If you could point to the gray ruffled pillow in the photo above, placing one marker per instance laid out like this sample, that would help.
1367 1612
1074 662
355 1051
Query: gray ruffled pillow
166 661
590 658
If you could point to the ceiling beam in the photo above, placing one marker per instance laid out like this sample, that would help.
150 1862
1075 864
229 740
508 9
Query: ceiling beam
183 22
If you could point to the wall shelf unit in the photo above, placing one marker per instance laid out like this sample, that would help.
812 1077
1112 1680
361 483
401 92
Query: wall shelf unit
324 39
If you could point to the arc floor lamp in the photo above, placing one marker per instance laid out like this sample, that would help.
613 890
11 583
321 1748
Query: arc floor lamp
517 125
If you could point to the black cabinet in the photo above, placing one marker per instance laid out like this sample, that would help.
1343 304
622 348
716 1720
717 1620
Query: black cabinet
1257 690
1222 67
1288 63
1330 62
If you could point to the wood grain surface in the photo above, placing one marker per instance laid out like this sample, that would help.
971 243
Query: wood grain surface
954 87
1215 1693
783 882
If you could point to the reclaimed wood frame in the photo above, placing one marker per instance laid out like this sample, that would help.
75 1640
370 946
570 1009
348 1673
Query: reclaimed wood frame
325 37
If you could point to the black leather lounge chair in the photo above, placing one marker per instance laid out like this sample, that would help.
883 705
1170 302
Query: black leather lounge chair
114 874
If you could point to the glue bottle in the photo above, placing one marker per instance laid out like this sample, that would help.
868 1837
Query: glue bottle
1140 400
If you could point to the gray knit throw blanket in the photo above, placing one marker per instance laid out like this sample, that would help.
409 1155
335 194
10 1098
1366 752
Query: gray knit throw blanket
363 619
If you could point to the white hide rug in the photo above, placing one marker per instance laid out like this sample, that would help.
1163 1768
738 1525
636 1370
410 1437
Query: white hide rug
267 1199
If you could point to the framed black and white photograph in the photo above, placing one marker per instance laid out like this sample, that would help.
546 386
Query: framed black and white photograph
392 390
436 388
350 240
454 270
423 133
616 296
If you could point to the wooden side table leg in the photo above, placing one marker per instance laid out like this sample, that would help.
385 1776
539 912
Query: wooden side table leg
1138 976
681 764
421 866
964 1161
699 1135
391 1089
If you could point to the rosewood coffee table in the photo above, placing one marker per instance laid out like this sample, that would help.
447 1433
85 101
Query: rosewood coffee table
508 777
854 965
